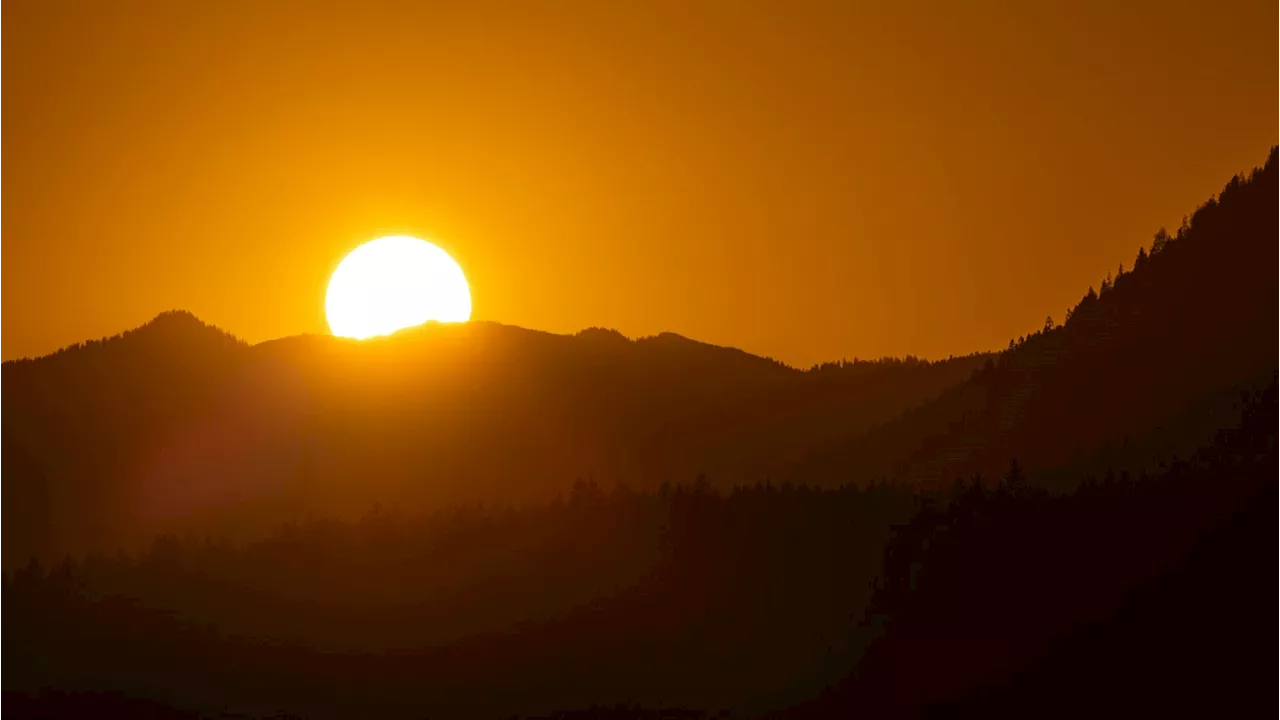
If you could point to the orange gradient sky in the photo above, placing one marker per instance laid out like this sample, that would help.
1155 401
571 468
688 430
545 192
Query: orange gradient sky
841 179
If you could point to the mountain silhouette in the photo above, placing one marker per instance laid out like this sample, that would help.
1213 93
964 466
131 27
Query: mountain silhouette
485 521
1139 374
178 427
76 417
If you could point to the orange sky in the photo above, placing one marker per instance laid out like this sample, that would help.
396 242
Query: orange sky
821 183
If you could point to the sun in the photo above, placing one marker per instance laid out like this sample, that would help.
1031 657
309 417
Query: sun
392 283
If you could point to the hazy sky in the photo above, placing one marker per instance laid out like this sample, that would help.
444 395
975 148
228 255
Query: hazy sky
804 180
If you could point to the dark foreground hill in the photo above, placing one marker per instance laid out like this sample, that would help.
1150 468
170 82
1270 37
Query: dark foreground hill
995 599
177 427
1147 595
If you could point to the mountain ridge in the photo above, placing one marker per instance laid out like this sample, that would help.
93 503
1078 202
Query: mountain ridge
176 424
109 447
1149 366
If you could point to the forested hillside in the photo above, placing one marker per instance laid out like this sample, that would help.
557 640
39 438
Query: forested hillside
1146 367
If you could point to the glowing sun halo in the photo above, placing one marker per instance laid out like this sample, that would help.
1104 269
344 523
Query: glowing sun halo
392 283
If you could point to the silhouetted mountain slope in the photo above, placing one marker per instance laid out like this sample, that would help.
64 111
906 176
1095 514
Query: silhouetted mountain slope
178 427
744 606
1140 373
74 423
1194 642
1149 595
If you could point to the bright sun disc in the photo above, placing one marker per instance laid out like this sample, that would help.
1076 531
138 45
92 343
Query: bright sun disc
392 283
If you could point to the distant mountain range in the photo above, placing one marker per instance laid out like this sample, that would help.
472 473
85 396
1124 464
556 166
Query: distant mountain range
177 426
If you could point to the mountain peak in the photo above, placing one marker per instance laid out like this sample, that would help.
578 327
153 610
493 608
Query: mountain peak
176 321
177 326
176 315
602 333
